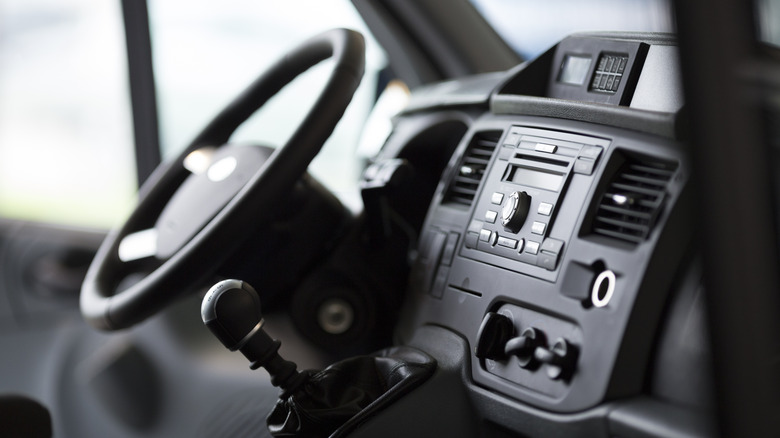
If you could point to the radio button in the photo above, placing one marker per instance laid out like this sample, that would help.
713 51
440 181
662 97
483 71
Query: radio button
512 139
507 242
584 166
471 240
484 235
553 246
545 209
515 211
547 261
591 152
548 148
532 247
491 216
497 198
538 228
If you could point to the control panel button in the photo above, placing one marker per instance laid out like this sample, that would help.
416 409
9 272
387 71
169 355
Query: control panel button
497 198
591 152
491 216
449 248
507 242
505 153
584 166
475 226
545 209
437 291
484 235
548 148
515 211
532 247
547 261
520 245
538 228
512 139
552 246
471 240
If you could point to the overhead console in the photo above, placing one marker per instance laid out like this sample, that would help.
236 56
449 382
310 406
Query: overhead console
557 230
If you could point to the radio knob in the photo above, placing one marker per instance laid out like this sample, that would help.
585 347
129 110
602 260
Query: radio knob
515 211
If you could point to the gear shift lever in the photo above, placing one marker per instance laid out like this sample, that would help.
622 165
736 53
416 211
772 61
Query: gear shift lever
231 310
330 402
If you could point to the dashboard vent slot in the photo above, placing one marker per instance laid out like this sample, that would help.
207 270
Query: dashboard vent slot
471 170
633 199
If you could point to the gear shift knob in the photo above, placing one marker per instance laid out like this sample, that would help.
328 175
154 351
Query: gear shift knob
231 310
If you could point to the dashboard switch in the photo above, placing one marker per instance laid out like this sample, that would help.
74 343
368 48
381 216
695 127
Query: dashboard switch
559 359
494 332
524 346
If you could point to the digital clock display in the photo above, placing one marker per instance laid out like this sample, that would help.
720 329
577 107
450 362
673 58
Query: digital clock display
538 178
574 69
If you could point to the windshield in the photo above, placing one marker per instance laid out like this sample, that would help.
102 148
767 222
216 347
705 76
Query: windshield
527 25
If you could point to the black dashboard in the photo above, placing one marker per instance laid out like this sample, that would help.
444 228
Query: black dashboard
557 247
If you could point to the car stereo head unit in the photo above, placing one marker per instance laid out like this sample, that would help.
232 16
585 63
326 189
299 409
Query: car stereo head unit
516 211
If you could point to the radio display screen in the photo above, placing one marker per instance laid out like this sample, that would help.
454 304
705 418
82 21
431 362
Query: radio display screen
538 178
574 70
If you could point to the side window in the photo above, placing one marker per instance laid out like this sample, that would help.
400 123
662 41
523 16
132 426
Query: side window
66 139
208 52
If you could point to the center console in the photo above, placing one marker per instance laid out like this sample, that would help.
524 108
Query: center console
557 231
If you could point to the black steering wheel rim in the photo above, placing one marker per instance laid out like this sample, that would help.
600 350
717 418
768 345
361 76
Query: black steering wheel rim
106 309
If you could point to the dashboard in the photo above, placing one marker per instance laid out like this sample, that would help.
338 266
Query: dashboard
557 247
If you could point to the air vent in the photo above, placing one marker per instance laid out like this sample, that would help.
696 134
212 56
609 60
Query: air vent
472 168
633 199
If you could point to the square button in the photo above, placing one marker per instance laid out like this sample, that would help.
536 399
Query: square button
538 228
532 247
497 198
490 216
484 235
512 139
547 261
475 226
584 166
552 246
591 152
545 209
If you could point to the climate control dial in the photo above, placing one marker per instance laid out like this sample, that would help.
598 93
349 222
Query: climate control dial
515 211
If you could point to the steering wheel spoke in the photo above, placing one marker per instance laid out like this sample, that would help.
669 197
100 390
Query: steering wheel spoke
139 245
199 160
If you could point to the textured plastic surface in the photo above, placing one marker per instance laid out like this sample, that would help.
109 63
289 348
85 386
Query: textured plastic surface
616 339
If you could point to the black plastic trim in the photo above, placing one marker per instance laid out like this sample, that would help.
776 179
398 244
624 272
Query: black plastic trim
142 90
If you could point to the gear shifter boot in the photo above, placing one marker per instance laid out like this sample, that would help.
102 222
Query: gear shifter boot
336 400
331 402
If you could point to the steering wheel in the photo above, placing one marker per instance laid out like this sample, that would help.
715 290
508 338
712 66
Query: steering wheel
189 218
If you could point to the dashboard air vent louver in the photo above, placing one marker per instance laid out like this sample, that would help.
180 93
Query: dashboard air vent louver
633 199
472 168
